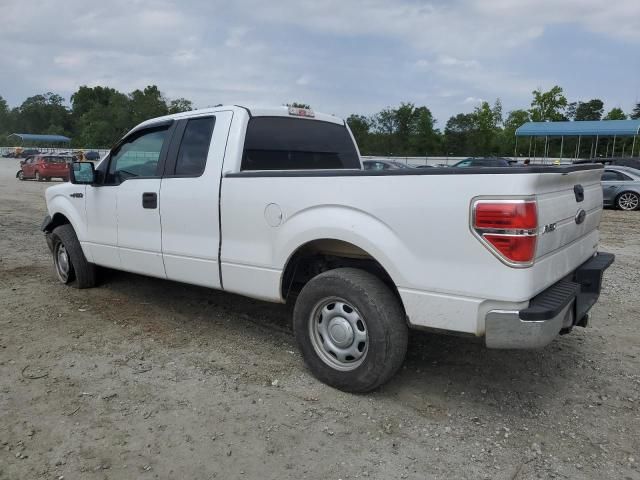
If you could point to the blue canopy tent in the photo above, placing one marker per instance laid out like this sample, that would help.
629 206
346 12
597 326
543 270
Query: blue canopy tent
45 139
597 129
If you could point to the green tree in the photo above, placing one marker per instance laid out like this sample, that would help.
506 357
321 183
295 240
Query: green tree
487 122
359 126
38 113
591 110
179 105
615 113
515 119
147 103
460 135
635 113
101 116
426 139
548 105
4 119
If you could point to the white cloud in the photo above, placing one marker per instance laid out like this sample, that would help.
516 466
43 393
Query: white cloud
473 100
357 56
450 61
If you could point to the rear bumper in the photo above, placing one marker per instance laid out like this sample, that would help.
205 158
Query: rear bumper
561 306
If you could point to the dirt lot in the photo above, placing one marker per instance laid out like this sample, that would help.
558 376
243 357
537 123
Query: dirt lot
143 378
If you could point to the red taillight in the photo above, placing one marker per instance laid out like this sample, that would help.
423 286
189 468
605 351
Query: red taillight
509 228
506 215
519 249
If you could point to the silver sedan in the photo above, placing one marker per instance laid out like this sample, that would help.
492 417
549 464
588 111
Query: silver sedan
621 187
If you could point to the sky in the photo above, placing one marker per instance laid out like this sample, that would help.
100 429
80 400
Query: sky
339 56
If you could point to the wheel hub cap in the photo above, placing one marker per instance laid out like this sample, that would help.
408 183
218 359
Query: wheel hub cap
62 263
340 332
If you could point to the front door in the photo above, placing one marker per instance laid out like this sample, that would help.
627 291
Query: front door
123 219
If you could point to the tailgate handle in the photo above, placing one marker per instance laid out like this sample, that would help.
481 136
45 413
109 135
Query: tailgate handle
578 191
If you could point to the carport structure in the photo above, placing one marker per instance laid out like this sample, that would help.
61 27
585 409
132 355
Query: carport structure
594 130
40 139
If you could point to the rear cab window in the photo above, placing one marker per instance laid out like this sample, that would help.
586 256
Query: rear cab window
194 147
281 143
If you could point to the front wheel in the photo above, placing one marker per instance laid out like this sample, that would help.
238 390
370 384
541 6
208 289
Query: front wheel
71 266
20 175
351 329
628 201
38 177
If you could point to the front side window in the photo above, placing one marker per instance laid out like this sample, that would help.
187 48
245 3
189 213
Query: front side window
194 147
281 143
138 156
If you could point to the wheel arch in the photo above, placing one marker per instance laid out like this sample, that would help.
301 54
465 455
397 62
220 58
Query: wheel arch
320 255
62 211
55 221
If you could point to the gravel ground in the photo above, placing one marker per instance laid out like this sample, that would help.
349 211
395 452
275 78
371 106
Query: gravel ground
144 378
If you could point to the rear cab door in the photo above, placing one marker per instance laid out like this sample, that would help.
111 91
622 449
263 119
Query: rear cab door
189 199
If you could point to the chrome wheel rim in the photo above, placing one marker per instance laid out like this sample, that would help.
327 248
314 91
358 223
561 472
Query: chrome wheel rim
338 334
63 265
628 201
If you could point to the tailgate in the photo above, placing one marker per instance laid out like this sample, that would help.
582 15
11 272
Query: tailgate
569 208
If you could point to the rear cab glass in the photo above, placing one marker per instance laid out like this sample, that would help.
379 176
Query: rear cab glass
281 143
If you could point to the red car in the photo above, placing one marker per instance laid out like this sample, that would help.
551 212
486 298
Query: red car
45 167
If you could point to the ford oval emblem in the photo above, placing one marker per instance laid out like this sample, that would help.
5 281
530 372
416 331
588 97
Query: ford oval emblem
580 216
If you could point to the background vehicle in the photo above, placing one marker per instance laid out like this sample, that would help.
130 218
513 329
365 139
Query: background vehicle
26 153
383 165
483 162
631 162
92 156
621 187
44 168
274 204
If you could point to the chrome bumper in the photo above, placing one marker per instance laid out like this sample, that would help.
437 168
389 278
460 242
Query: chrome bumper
505 329
562 306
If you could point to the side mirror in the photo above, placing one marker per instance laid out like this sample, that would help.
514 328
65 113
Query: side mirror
82 173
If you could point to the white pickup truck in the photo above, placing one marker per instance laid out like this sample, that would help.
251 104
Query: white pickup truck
274 204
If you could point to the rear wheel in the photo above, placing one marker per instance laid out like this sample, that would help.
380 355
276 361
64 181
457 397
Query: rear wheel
38 177
71 266
20 175
351 329
47 179
628 201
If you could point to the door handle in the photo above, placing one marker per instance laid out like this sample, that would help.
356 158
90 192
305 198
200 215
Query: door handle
149 200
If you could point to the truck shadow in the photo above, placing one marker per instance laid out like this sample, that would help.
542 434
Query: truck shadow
441 372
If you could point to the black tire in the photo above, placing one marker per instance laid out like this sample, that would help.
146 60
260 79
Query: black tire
80 273
384 325
20 175
628 201
38 177
47 179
